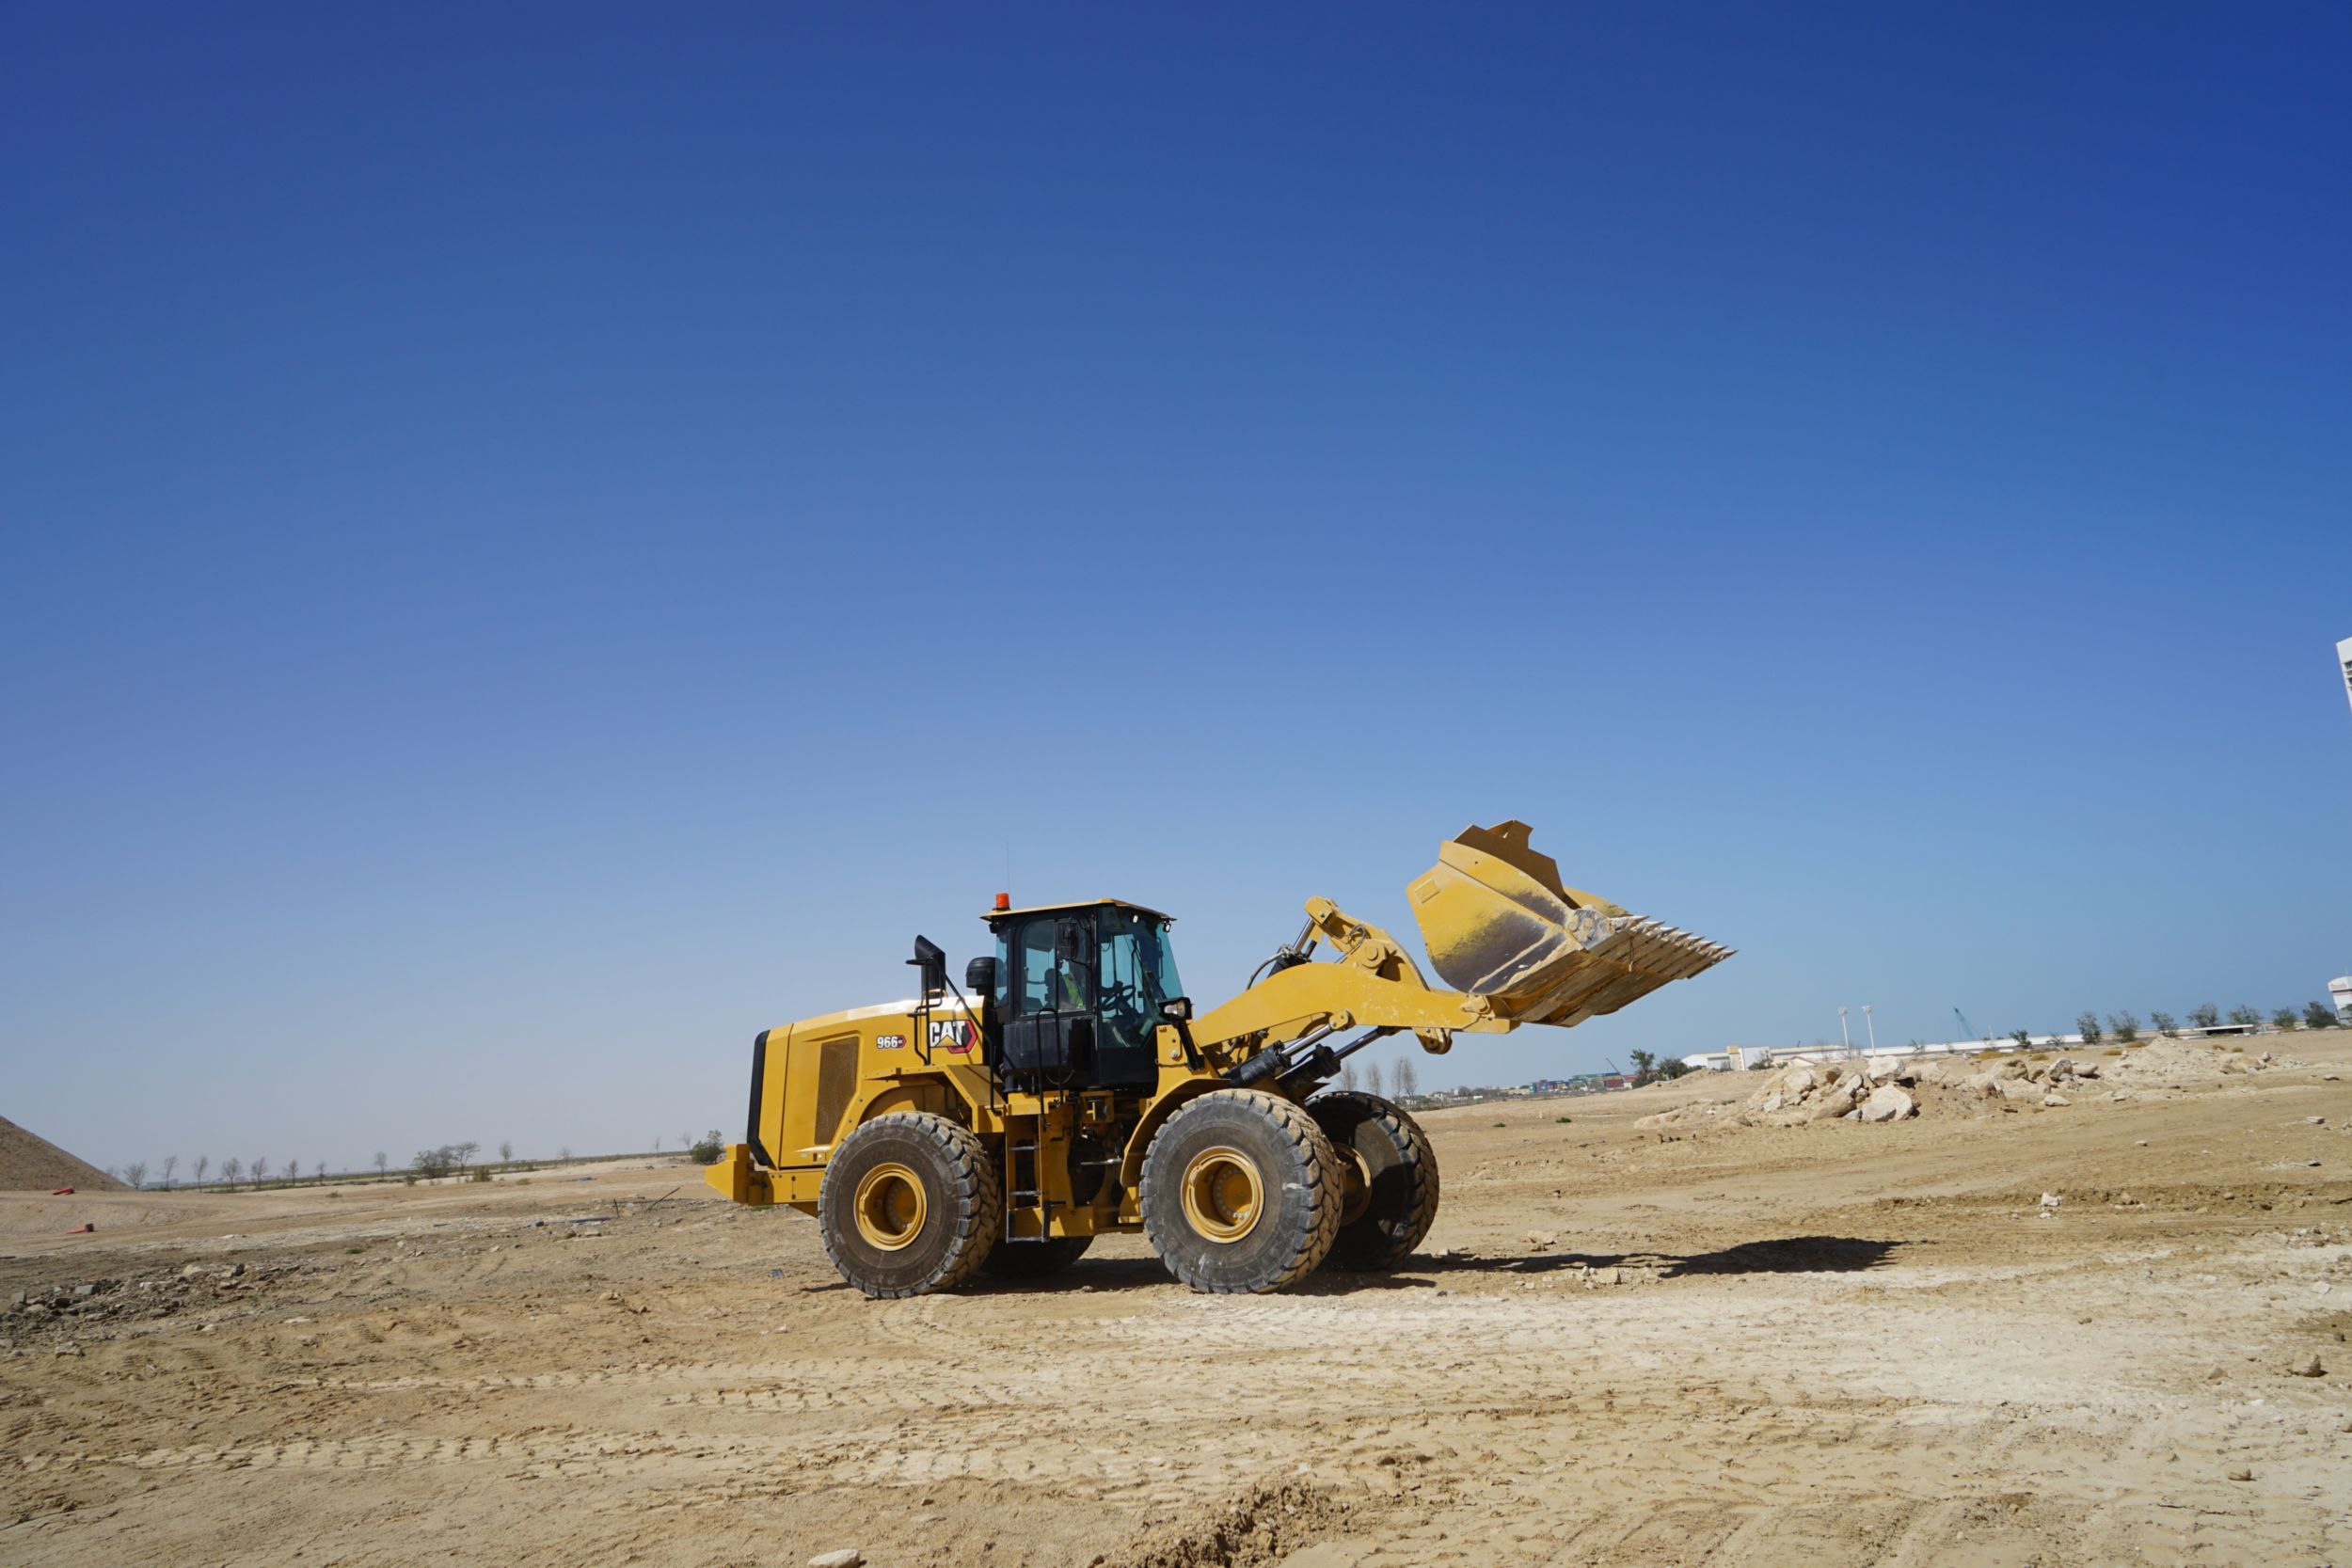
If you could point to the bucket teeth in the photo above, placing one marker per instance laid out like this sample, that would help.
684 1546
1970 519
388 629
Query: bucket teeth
1499 924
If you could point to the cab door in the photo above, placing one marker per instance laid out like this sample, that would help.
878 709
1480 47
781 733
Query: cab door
1049 1026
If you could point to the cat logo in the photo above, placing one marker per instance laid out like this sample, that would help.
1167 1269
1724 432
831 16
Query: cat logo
889 1042
955 1036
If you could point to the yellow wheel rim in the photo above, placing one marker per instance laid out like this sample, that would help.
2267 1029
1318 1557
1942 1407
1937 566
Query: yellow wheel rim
1223 1196
1354 1185
889 1206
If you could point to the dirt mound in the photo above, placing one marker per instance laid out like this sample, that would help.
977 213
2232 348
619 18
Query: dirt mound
1263 1525
2163 1060
29 1163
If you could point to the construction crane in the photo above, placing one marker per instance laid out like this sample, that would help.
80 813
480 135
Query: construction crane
1967 1030
1078 1090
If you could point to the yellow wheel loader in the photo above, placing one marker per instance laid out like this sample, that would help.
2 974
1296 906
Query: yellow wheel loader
1076 1091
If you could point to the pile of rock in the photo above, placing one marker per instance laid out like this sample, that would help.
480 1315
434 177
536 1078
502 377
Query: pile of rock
1865 1091
78 1308
2027 1081
1802 1092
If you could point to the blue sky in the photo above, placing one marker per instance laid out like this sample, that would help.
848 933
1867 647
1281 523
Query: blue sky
536 541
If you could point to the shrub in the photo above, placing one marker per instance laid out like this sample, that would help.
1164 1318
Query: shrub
2126 1027
2088 1025
708 1150
2319 1016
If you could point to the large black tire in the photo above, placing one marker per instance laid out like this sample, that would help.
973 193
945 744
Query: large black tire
1389 1196
911 1204
1240 1192
1035 1260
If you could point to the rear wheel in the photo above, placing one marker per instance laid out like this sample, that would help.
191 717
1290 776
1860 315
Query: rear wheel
910 1204
1036 1260
1240 1192
1388 1180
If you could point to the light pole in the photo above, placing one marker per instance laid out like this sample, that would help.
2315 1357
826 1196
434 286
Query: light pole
1843 1032
1867 1022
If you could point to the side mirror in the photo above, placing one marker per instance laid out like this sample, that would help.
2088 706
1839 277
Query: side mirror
1177 1009
979 976
932 960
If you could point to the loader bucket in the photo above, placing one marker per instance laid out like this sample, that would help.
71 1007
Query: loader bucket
1499 923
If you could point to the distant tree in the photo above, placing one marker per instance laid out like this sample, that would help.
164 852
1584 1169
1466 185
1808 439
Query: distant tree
705 1150
319 1171
382 1162
2204 1015
203 1164
1672 1067
260 1172
135 1172
461 1155
656 1143
565 1153
506 1151
2319 1016
1372 1077
2126 1027
1349 1077
433 1163
2021 1037
1404 1080
172 1162
2250 1017
2166 1024
230 1169
1645 1066
2088 1025
2283 1018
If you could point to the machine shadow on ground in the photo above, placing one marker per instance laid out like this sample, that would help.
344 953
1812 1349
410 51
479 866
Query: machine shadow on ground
1782 1255
1779 1254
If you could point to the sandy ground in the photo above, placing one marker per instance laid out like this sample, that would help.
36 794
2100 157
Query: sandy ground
1824 1345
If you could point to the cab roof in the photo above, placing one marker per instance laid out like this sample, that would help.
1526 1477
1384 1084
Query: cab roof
1078 904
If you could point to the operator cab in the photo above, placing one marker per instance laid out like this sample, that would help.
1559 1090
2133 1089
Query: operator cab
1076 991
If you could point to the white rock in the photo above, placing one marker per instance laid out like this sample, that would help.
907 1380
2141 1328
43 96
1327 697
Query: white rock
1798 1083
1887 1104
2050 1200
848 1556
2054 1100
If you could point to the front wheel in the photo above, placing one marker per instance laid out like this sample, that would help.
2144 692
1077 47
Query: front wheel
1389 1182
1240 1192
910 1204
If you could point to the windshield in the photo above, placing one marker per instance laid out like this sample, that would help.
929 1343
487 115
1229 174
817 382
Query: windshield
1138 973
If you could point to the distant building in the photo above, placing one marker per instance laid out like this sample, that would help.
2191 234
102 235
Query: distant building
1616 1081
2339 991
